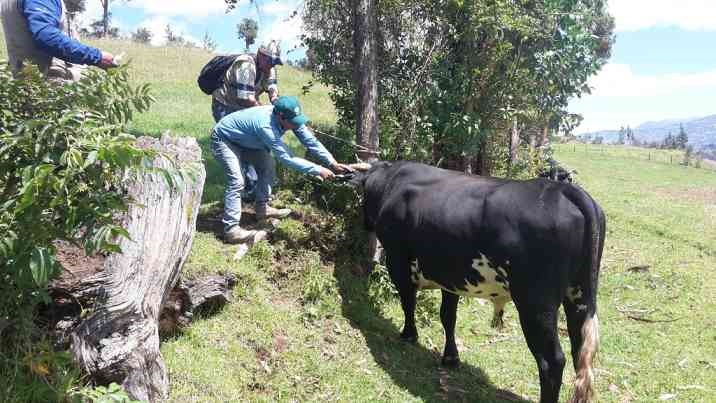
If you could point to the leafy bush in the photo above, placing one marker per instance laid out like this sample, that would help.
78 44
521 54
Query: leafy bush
101 394
63 154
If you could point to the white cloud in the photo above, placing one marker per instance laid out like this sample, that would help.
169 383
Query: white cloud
288 33
634 15
279 9
618 80
184 8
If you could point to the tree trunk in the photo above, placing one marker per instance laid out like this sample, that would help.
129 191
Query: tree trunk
544 138
514 143
366 76
105 18
119 340
187 299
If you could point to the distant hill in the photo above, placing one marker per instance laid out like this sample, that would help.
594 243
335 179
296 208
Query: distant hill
701 132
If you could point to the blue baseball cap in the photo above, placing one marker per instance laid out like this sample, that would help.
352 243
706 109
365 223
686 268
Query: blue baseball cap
289 108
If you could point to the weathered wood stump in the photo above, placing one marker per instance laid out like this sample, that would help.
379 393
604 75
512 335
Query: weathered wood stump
119 340
198 296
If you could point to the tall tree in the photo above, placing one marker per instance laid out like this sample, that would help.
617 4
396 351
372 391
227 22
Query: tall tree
208 43
73 8
366 77
142 35
622 135
248 30
106 16
682 138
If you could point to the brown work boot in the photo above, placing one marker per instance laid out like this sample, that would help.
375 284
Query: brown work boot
264 211
237 234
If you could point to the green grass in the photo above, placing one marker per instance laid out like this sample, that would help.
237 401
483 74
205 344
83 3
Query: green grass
306 326
671 157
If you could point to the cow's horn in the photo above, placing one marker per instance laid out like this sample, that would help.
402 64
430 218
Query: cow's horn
361 166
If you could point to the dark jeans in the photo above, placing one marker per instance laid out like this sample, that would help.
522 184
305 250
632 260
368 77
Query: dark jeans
220 110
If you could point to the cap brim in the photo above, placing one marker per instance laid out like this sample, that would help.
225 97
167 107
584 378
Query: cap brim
299 120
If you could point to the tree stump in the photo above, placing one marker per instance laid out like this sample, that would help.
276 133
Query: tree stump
119 340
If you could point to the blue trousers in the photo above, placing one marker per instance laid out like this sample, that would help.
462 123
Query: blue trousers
220 110
230 156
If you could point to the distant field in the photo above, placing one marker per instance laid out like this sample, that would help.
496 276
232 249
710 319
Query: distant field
672 157
302 327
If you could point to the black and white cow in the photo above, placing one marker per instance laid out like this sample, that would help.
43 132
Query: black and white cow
538 243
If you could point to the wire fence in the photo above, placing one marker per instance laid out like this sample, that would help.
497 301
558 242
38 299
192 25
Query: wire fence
670 157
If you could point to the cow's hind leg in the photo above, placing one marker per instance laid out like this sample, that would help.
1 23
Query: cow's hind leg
539 324
448 316
399 269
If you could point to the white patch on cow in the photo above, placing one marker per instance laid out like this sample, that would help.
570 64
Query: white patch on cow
574 294
496 291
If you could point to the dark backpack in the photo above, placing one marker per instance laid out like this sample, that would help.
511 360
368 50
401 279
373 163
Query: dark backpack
213 73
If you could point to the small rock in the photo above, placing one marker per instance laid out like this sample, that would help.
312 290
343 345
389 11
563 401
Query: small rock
259 236
241 251
613 388
667 396
639 269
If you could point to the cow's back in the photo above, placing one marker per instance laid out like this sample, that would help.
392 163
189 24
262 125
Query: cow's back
436 212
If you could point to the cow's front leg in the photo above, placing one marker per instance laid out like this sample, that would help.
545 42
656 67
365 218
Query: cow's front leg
399 269
448 316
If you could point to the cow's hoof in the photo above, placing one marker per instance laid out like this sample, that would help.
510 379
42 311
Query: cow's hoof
409 338
451 361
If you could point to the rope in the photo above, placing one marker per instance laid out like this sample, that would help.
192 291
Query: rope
350 143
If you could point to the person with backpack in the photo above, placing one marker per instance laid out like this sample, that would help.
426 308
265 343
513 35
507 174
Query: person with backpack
252 135
236 82
246 79
35 33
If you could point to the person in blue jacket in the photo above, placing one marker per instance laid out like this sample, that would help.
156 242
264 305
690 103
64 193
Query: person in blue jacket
35 33
252 135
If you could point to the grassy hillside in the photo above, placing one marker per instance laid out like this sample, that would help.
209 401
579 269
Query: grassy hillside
305 326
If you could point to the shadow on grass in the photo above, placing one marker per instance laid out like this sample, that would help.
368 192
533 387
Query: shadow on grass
413 367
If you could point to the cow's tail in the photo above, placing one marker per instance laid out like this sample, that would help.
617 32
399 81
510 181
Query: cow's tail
588 280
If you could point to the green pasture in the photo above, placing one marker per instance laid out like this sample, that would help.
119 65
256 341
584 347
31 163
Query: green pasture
307 325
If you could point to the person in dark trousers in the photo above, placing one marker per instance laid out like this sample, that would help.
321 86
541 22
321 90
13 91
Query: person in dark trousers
252 135
35 33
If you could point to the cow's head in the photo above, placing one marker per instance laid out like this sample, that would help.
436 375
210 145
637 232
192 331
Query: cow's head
364 170
370 181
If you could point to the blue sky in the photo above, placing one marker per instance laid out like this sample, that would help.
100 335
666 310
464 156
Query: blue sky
663 64
194 18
